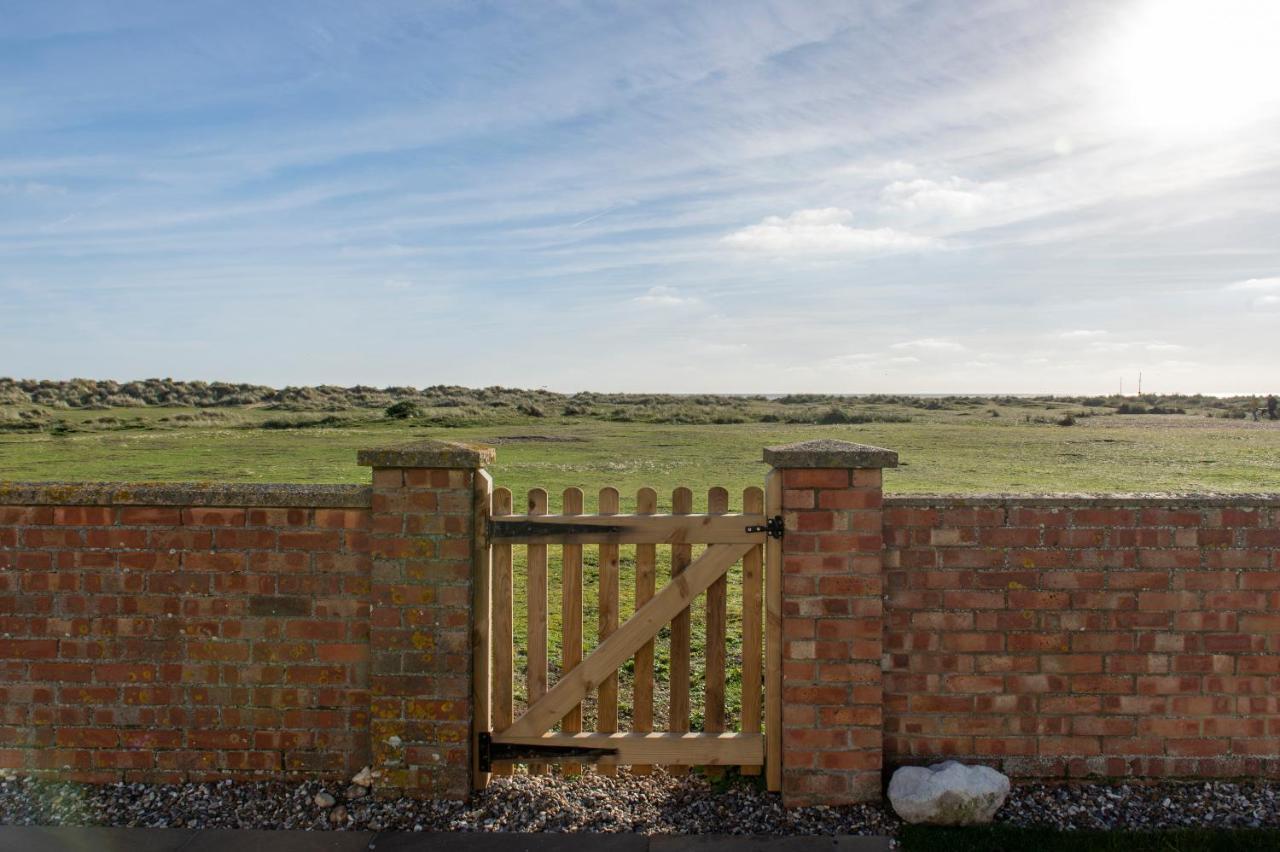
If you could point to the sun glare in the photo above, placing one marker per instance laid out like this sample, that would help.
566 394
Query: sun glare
1194 67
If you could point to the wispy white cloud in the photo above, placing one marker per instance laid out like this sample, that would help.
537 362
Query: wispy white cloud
1256 284
1134 345
954 197
31 189
662 296
851 361
1265 291
825 230
1082 334
716 349
930 344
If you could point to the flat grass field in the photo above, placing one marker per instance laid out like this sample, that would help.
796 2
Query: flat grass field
954 450
960 447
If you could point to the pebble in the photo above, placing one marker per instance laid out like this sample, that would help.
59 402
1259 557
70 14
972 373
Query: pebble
648 804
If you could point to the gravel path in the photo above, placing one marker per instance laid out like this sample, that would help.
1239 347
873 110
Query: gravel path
1134 807
653 804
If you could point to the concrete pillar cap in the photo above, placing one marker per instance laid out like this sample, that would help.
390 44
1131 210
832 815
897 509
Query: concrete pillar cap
828 453
429 453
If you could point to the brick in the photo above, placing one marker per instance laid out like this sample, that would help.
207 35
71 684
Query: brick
83 515
26 515
1104 517
144 515
305 629
798 499
811 521
815 478
28 649
347 519
310 540
278 517
279 605
124 673
74 672
850 499
209 517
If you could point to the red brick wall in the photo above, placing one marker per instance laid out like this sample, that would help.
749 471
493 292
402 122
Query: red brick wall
183 632
1068 637
831 635
423 523
181 641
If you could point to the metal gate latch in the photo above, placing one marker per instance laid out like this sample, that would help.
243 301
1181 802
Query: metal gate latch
772 528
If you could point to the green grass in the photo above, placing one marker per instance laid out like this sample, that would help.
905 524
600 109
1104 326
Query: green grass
959 451
921 838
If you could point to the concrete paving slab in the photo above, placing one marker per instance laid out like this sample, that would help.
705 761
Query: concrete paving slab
24 838
255 840
484 841
726 843
64 839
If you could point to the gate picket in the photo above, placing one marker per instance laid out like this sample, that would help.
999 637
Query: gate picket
571 614
503 633
717 629
646 577
537 628
681 555
607 700
752 635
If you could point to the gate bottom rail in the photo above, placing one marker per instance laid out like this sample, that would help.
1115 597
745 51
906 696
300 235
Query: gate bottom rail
491 751
661 748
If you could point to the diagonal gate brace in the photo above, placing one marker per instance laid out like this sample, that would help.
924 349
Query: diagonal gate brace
627 639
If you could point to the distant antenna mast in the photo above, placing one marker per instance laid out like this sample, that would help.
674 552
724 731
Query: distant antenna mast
1139 383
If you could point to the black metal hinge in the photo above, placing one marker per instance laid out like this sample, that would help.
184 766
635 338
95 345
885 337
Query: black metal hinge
489 751
772 527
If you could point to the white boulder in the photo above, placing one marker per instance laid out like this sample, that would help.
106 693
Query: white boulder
948 793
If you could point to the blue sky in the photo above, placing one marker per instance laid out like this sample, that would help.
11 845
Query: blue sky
848 197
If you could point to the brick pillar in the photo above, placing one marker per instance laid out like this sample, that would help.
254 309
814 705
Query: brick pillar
420 677
832 614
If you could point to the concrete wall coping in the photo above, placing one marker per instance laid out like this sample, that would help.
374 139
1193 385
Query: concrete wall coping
429 453
828 453
1122 499
287 495
274 495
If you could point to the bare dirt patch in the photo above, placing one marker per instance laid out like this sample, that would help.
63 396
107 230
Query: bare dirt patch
532 439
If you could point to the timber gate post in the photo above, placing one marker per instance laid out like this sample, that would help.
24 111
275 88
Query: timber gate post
429 504
832 620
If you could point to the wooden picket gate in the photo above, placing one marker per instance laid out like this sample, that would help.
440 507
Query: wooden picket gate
751 536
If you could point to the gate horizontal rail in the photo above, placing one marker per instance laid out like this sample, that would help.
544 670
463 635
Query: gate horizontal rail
628 529
671 749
